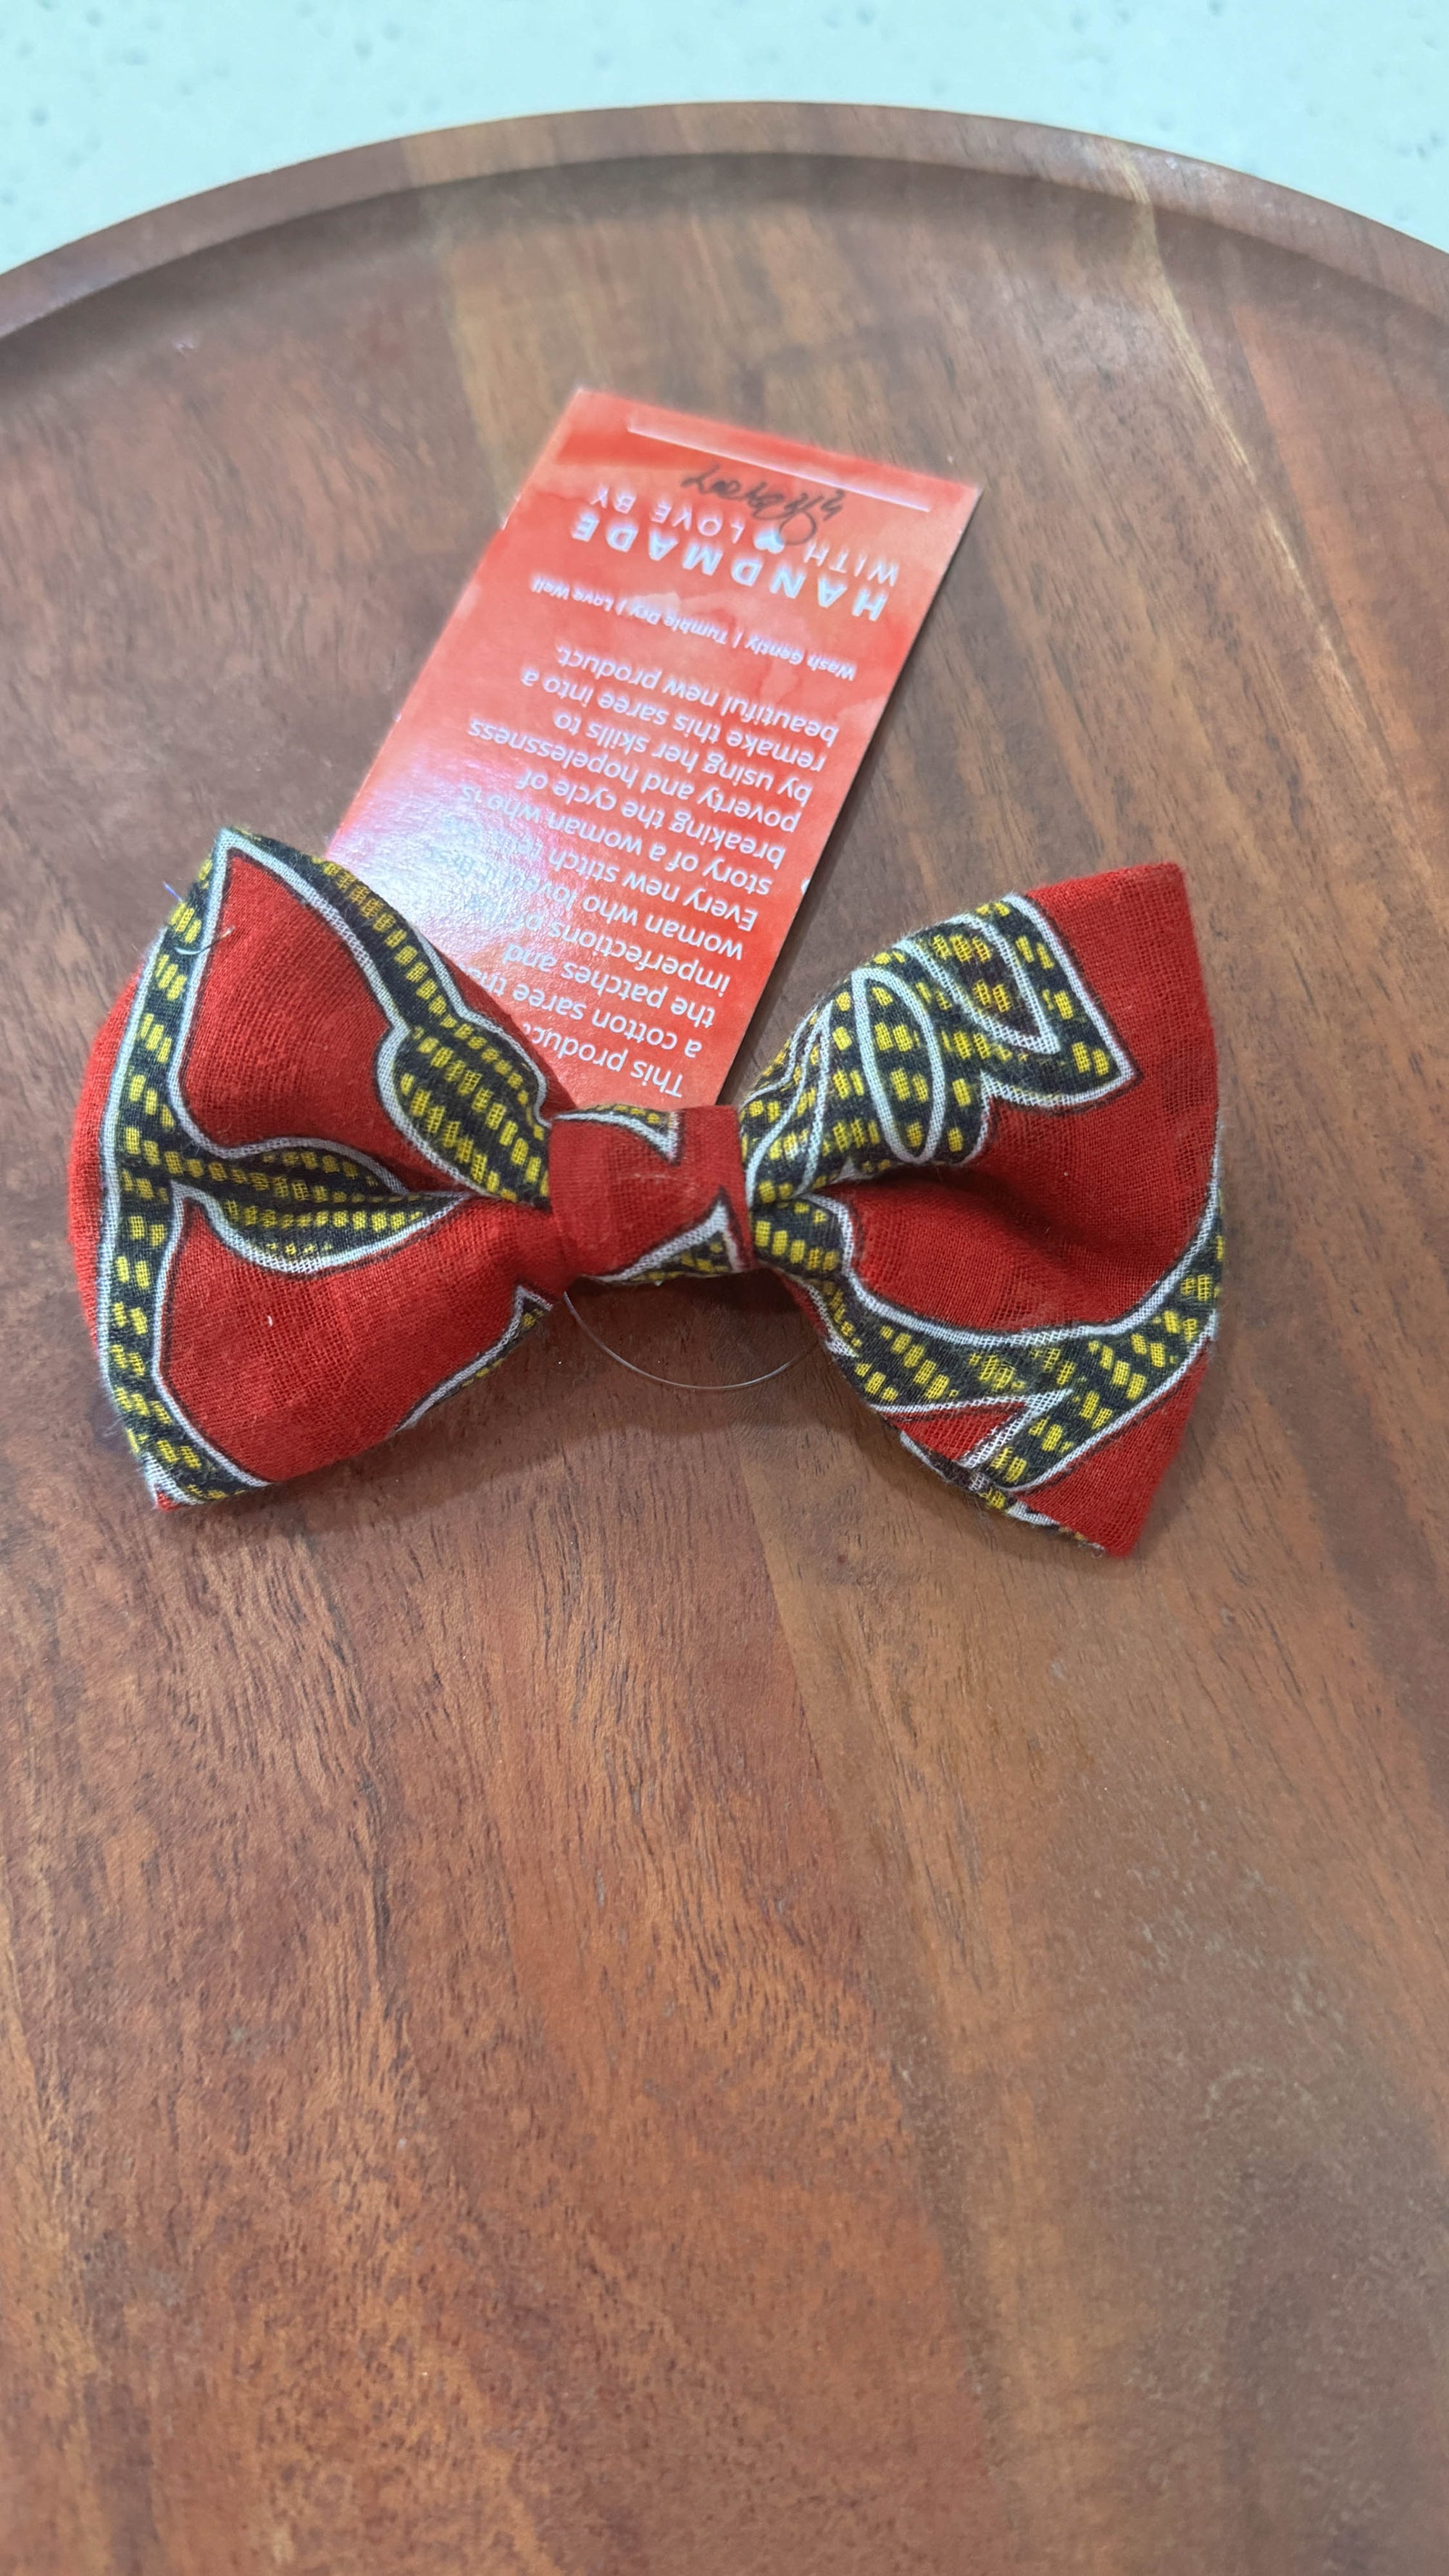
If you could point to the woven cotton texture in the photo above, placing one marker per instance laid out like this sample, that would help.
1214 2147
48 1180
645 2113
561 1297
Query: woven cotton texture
319 1181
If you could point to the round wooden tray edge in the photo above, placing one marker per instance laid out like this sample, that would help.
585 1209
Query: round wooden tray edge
1171 184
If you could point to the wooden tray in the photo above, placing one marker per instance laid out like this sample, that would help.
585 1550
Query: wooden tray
628 1985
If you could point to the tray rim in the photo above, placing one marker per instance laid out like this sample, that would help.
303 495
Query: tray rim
1168 184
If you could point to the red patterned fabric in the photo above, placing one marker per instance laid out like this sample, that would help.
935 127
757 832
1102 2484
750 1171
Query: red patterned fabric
319 1180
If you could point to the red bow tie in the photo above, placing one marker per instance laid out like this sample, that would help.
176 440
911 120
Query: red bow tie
318 1181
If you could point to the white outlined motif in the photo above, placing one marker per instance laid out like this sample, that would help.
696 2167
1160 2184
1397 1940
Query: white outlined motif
528 1309
687 1253
661 1128
298 1206
1064 1387
900 1065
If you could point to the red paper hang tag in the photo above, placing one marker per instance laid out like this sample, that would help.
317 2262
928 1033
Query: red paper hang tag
614 777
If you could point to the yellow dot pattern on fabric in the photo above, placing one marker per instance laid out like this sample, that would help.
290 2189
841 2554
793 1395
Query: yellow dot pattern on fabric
710 1259
1063 1389
901 1063
450 1081
897 1069
457 1083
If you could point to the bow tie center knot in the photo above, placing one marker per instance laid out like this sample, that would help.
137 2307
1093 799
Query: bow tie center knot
646 1194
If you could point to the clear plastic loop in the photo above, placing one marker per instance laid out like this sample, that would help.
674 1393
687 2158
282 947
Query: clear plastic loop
686 1385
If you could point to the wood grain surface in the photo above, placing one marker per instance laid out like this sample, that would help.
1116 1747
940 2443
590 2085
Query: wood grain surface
627 1984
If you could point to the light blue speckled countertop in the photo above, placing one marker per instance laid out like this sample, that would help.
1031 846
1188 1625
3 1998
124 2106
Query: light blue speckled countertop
110 106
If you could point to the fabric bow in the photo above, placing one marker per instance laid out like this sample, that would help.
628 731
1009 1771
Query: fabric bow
319 1180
